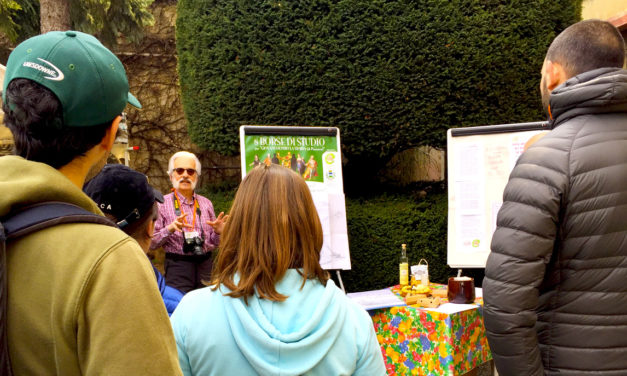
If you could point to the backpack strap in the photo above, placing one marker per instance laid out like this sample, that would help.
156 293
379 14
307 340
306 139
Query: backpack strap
5 362
36 217
26 221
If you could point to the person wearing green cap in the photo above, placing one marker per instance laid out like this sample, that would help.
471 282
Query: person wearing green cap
82 297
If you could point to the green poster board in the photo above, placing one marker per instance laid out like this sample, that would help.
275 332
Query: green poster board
303 154
313 153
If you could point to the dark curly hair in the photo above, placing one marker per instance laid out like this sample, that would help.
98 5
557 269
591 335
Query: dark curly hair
35 117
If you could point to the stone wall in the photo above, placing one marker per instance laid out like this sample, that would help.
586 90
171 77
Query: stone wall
603 9
424 164
159 128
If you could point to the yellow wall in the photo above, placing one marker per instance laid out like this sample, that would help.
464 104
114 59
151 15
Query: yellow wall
603 9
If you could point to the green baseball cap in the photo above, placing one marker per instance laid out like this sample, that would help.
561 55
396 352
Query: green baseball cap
87 78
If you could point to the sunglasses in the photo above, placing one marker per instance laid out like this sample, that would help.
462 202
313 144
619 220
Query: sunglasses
180 170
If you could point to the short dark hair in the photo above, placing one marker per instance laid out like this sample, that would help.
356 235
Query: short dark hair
35 117
588 45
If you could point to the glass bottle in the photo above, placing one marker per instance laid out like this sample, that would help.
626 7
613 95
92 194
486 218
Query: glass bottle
403 267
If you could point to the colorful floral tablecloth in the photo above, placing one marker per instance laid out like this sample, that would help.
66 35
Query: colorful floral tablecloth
416 341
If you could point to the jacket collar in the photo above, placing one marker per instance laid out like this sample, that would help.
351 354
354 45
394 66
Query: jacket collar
597 91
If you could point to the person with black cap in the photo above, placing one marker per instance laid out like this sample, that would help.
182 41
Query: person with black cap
125 196
80 297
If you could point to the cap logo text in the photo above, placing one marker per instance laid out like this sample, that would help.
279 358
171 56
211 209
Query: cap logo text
54 74
105 206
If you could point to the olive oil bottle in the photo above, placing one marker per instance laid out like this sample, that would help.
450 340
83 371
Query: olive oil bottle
403 267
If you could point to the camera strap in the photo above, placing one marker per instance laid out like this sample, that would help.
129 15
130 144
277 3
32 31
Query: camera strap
196 212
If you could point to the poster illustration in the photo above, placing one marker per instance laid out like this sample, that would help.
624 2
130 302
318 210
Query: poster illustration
302 154
314 154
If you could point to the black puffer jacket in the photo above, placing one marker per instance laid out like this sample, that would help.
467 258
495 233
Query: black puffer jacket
555 287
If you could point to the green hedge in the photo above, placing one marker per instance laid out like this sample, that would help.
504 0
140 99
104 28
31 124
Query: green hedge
390 73
377 226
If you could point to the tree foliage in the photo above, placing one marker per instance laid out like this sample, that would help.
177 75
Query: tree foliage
110 18
18 18
107 19
392 74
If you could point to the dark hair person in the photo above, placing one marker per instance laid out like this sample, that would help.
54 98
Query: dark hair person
554 286
271 308
77 298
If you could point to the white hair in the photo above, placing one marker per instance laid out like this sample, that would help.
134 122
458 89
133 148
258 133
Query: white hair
183 154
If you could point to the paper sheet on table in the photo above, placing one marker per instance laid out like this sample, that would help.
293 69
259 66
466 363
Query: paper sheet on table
376 299
450 308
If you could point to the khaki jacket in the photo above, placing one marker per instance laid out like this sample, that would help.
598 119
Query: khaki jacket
82 297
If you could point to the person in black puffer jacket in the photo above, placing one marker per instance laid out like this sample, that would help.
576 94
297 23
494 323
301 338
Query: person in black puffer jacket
555 286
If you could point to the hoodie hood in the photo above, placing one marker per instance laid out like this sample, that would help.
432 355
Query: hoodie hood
25 183
274 340
598 91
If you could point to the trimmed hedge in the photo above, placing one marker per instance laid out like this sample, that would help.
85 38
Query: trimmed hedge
377 226
391 74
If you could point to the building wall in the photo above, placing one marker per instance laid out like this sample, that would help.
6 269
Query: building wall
603 9
159 129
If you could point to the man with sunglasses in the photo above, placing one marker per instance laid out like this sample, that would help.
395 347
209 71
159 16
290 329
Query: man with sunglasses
187 227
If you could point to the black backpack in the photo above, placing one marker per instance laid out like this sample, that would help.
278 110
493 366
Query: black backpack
26 221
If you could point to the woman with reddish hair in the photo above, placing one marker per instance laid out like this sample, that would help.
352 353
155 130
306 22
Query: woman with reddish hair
271 309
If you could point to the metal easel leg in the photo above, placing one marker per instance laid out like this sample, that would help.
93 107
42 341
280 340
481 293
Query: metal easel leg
339 278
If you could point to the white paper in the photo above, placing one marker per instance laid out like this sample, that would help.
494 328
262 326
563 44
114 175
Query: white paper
376 299
470 232
496 161
517 147
470 195
450 308
335 253
469 162
339 257
470 226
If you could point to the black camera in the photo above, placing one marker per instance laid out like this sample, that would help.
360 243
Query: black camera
194 245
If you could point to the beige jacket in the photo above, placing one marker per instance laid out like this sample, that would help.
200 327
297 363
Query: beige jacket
82 297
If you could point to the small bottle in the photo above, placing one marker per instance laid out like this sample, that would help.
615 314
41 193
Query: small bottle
403 267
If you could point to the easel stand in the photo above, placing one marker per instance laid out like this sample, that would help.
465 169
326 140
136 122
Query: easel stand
339 279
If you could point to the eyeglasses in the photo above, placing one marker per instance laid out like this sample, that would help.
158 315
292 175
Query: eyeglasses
180 170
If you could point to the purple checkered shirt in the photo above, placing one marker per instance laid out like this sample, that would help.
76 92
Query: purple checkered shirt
173 242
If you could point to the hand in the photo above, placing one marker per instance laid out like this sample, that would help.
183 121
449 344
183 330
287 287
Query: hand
178 224
218 224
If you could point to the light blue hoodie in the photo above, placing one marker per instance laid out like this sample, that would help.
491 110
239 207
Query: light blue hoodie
316 331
